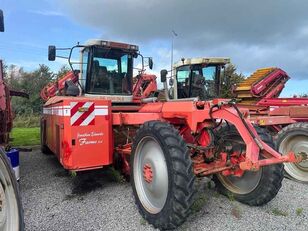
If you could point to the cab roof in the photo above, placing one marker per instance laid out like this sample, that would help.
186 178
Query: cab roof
204 60
112 44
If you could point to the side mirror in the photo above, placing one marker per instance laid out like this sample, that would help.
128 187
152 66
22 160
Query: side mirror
1 21
163 75
150 63
51 53
170 82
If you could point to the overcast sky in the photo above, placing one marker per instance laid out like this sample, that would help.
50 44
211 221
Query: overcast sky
253 34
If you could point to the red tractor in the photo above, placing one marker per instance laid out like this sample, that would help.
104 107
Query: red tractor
98 118
11 213
285 118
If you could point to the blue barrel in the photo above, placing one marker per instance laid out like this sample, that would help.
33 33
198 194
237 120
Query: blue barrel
13 155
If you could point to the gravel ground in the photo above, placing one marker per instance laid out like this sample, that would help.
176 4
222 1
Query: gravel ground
94 200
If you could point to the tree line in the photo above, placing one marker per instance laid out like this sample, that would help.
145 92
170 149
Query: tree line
30 82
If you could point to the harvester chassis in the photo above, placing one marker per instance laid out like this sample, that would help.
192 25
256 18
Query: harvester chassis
180 129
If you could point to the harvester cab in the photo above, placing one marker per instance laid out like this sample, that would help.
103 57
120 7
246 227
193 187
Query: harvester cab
105 69
197 77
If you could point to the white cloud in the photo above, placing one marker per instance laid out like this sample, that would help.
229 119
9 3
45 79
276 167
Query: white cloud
252 33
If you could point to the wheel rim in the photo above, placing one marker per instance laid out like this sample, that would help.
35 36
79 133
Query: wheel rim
296 144
242 185
9 214
150 175
245 183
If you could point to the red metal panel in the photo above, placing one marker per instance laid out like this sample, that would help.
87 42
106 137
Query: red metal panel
134 118
261 85
275 91
83 145
283 102
292 111
272 120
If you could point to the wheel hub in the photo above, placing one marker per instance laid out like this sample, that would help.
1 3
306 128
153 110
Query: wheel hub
297 144
151 175
148 173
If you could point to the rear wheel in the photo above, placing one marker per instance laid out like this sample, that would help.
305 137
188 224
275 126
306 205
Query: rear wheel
252 188
294 137
11 213
162 176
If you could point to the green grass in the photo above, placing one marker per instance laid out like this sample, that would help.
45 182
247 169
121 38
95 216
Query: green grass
278 212
231 197
299 211
142 221
25 137
199 203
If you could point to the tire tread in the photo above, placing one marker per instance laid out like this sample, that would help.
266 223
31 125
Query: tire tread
182 196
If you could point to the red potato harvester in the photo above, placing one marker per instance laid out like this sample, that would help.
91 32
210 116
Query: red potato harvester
99 117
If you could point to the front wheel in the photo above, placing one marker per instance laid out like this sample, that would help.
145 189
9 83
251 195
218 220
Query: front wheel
162 175
11 213
252 188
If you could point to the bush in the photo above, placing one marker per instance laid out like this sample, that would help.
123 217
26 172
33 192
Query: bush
26 121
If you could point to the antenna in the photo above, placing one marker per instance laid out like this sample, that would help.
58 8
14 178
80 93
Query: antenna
172 38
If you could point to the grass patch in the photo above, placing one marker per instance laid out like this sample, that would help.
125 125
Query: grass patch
115 175
142 221
278 212
216 194
25 136
73 173
199 203
299 211
231 197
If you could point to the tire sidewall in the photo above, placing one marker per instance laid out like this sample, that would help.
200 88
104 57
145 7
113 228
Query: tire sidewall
267 171
159 139
13 181
289 132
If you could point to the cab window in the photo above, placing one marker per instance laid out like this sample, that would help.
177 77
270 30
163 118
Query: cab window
109 73
209 74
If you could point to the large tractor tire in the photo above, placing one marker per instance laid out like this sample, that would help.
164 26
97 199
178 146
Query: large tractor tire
294 137
253 188
162 175
11 212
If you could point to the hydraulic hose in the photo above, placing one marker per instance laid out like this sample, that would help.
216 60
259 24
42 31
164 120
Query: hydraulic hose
211 116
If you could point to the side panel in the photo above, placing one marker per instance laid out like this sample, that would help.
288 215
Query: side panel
92 144
79 132
53 120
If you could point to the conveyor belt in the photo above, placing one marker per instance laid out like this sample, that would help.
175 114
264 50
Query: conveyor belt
263 83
